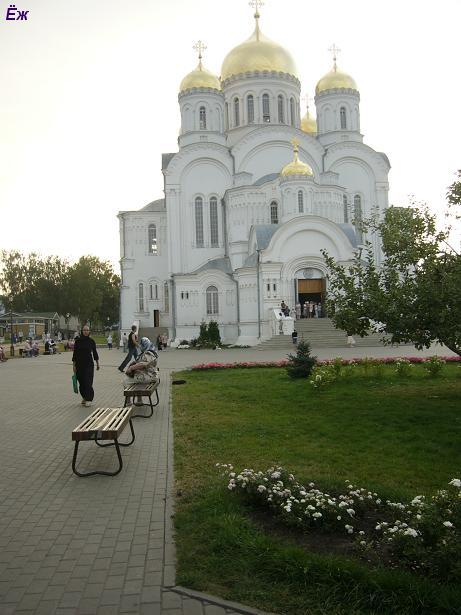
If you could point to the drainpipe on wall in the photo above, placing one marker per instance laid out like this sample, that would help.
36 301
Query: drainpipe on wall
173 304
122 223
258 252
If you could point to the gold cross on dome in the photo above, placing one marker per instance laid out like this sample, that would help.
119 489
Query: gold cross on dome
334 50
256 4
306 99
295 143
199 46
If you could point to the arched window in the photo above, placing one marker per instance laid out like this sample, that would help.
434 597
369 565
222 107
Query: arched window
152 239
358 217
166 297
281 110
141 297
212 304
342 118
300 201
345 206
199 222
236 112
250 109
266 108
202 114
214 236
292 111
274 213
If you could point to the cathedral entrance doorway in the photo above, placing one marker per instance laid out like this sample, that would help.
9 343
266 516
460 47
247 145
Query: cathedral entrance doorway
310 287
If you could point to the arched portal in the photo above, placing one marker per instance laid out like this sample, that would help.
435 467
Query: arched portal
310 287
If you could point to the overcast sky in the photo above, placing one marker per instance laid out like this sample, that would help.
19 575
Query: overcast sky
89 100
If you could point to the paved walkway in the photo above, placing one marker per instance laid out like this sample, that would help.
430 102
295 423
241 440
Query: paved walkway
98 545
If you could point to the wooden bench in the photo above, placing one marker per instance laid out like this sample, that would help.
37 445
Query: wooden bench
142 389
103 424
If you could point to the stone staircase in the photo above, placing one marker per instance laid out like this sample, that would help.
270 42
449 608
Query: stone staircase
320 333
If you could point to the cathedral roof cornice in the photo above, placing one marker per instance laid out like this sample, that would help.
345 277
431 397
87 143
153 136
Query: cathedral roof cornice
192 153
340 91
207 91
380 159
265 74
282 133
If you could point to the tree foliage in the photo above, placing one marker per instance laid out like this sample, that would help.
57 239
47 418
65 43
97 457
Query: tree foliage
415 293
301 364
88 289
454 195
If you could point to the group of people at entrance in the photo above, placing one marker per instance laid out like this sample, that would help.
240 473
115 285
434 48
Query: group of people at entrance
308 309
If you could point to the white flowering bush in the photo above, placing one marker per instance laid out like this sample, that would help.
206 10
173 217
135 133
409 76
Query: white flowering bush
403 367
423 535
434 365
323 376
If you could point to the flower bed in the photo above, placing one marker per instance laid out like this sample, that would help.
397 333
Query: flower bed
241 364
344 362
422 535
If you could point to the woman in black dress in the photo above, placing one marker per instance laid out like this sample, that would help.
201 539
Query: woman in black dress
84 352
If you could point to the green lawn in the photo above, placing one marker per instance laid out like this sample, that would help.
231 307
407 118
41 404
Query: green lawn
397 436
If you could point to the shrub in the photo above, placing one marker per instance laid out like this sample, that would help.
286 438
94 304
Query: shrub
403 367
338 366
301 364
203 335
434 366
213 333
322 376
209 336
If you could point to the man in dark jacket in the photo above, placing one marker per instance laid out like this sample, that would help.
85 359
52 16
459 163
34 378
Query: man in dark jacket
132 348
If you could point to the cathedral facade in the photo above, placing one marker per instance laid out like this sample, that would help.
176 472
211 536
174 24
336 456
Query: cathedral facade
252 196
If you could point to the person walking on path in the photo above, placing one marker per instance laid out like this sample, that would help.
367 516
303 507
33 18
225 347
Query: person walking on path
84 353
109 341
132 348
124 343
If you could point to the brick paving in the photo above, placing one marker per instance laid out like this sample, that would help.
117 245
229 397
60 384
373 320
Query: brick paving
98 545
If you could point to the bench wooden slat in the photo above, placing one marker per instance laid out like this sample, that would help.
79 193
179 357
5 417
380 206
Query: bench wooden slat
139 387
103 423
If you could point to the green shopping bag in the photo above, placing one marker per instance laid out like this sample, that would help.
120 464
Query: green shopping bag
74 383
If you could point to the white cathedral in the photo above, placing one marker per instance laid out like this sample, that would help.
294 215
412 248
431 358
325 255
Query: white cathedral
253 195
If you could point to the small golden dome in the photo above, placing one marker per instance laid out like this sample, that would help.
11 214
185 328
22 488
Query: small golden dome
309 124
296 166
258 53
335 79
200 78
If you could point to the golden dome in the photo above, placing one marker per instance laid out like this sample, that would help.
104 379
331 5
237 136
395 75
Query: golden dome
257 53
335 79
309 124
200 78
296 166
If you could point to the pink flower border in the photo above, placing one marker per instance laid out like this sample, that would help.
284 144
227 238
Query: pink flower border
284 362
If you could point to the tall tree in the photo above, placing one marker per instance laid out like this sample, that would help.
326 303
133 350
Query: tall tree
416 293
92 291
88 289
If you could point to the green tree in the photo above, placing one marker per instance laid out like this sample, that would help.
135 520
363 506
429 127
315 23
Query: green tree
213 333
32 282
301 364
416 293
88 289
454 195
92 291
